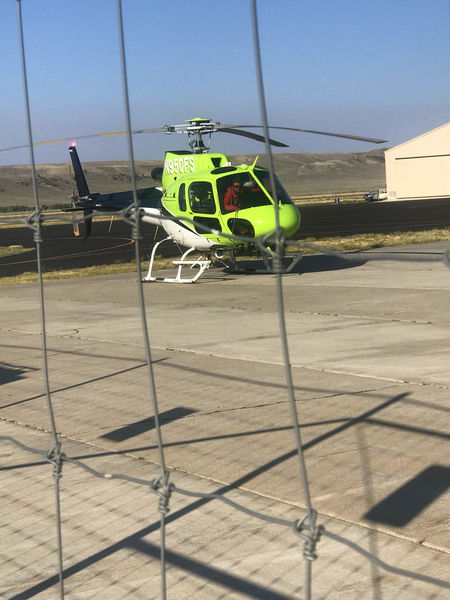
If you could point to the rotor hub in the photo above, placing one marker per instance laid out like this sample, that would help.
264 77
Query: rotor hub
196 129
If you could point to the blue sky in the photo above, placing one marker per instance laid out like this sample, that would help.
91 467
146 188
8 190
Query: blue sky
374 68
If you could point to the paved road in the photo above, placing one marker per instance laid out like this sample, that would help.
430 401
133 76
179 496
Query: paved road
325 220
63 251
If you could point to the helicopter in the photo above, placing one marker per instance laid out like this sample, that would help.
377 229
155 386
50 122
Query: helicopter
204 203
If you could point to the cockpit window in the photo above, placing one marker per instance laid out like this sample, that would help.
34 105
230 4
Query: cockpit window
201 198
240 191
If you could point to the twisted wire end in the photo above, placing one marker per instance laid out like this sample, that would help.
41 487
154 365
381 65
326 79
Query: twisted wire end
164 490
56 458
310 533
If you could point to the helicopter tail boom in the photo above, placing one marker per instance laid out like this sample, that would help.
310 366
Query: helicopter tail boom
152 215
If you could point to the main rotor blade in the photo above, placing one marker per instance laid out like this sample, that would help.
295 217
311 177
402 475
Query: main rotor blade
340 135
235 129
253 136
83 137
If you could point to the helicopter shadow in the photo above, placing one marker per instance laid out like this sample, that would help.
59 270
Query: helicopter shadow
310 263
316 263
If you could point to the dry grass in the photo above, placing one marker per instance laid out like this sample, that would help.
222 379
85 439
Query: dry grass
367 241
113 269
10 250
11 221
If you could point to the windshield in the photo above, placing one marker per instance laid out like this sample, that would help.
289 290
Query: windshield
282 194
239 191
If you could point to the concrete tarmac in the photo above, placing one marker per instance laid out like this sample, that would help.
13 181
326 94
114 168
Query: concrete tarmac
369 348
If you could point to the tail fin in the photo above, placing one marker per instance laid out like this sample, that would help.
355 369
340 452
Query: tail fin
83 192
80 179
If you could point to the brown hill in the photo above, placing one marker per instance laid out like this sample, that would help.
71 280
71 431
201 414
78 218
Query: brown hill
55 181
303 173
300 173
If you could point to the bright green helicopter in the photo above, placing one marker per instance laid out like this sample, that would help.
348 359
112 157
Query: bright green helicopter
209 205
206 202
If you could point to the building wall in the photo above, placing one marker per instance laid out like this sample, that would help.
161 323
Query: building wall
420 168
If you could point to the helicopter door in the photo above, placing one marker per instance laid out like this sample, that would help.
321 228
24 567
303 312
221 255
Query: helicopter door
201 202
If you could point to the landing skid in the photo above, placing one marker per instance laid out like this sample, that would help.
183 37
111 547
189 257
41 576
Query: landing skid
202 263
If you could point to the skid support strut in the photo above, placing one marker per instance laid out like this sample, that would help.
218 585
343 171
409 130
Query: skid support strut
201 263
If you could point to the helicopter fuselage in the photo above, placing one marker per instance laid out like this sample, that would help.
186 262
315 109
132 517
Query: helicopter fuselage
205 199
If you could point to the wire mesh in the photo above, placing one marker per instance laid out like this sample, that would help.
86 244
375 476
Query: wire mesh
229 560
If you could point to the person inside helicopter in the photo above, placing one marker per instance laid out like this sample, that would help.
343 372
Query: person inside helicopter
233 196
240 191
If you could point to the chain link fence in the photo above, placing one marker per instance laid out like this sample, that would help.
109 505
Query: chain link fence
89 490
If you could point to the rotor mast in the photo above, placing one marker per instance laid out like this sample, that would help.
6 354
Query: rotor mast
195 130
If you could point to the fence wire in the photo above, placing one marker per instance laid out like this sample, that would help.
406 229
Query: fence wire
307 526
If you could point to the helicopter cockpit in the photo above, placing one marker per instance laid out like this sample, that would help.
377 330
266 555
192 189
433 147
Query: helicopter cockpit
241 190
282 195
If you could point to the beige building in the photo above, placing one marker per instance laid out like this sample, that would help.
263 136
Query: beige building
420 168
